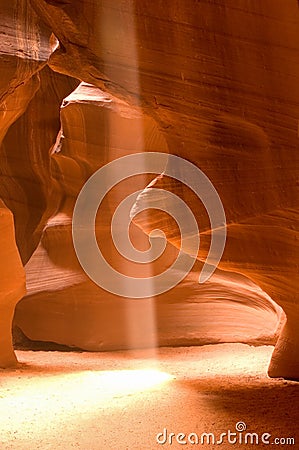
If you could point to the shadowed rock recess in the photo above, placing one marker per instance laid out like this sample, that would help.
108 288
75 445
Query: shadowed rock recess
86 82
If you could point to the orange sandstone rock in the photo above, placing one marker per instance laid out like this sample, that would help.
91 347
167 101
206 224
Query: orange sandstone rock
12 284
222 82
216 84
65 307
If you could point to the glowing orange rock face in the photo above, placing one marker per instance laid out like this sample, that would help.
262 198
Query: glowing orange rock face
12 284
221 85
65 307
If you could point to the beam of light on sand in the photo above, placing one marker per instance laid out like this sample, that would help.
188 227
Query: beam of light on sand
52 400
140 319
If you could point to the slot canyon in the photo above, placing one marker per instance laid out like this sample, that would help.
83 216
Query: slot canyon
110 337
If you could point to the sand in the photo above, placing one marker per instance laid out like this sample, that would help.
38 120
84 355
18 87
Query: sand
122 400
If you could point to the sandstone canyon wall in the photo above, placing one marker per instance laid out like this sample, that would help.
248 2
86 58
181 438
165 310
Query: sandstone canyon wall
64 306
213 82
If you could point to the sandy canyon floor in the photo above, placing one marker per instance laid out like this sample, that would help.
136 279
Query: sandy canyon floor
123 400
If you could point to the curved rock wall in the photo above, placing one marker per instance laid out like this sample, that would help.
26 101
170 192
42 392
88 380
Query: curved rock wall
12 284
215 83
65 307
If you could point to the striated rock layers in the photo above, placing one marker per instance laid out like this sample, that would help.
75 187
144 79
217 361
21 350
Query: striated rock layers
213 82
64 306
27 131
24 50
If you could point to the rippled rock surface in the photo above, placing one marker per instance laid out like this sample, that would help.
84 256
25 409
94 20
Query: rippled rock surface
213 82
